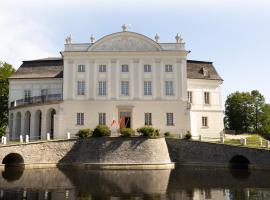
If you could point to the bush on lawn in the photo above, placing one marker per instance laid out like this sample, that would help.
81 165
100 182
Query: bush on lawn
167 134
101 130
188 136
84 133
127 132
148 131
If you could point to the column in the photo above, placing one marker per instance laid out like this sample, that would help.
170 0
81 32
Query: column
184 79
113 72
91 79
44 124
22 123
136 82
159 79
32 125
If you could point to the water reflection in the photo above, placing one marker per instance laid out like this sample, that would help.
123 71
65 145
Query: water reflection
187 183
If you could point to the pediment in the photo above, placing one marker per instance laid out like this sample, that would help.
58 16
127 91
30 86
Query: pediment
125 41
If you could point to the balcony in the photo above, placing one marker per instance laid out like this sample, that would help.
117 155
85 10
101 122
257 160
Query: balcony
50 98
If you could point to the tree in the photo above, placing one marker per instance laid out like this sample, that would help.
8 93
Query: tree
6 70
258 112
238 111
247 112
265 119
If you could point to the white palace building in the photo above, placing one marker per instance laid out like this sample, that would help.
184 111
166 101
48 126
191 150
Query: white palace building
125 78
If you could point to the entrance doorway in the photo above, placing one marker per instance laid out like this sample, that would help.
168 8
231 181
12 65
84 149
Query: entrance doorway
125 119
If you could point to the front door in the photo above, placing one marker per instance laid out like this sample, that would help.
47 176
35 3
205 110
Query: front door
125 120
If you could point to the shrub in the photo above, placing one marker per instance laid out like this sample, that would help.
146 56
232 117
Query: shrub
188 136
101 130
167 134
148 131
127 132
84 133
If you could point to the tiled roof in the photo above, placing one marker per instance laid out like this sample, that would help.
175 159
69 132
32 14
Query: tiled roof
42 68
53 68
195 70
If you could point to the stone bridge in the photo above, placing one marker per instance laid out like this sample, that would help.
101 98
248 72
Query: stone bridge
199 153
137 152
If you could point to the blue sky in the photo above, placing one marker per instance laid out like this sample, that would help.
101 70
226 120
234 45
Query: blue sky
235 35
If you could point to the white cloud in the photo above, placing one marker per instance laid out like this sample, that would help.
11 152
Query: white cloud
23 39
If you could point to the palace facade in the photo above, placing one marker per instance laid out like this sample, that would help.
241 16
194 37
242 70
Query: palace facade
123 79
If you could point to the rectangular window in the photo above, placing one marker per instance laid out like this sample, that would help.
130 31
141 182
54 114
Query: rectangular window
170 119
147 87
125 88
27 95
124 68
80 88
169 88
102 68
147 68
81 68
102 118
80 118
189 94
204 121
148 119
168 68
206 98
102 90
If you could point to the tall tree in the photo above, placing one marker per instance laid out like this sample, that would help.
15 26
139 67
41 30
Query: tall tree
258 112
6 70
238 111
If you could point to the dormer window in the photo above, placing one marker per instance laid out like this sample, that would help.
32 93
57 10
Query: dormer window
205 72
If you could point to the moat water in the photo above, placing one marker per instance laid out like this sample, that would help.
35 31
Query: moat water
182 183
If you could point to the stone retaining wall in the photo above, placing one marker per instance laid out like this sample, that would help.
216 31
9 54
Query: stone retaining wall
93 151
186 152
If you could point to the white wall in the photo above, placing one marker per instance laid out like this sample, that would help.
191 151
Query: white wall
17 87
213 111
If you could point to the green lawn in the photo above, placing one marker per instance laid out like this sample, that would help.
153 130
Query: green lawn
253 140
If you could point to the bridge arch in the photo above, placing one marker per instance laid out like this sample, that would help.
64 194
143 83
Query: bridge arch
239 162
13 159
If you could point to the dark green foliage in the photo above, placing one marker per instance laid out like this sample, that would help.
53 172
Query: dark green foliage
148 131
247 112
167 134
127 132
6 71
101 130
188 136
84 133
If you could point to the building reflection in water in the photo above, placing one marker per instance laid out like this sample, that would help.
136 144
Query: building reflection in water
183 183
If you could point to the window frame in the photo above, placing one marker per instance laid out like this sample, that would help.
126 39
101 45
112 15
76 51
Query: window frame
169 119
168 68
124 68
169 91
124 90
81 68
102 68
205 122
102 118
190 96
148 119
102 88
147 68
206 98
80 119
147 88
80 88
